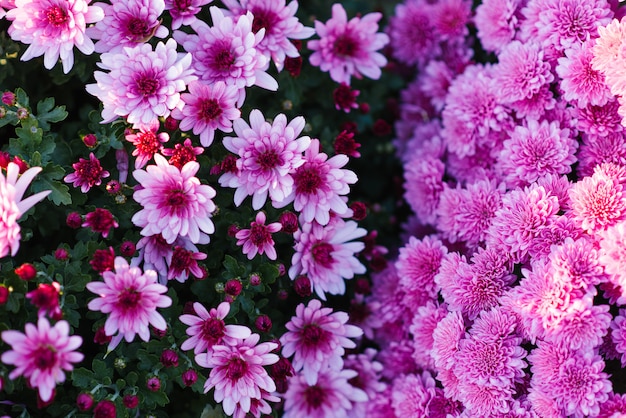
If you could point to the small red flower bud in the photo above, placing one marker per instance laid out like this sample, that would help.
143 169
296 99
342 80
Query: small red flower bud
8 98
289 222
153 384
346 144
113 187
255 279
293 65
362 286
302 286
171 124
130 401
364 108
105 409
20 163
359 211
282 269
233 287
100 221
84 401
263 323
345 98
381 128
103 260
232 230
4 294
5 159
169 358
90 140
128 248
26 271
159 333
74 220
188 308
61 254
100 337
189 377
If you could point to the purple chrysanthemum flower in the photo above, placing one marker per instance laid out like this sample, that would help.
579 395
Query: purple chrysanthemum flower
423 185
599 149
497 22
423 324
411 33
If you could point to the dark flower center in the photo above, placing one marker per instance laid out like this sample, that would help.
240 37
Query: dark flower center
314 396
307 179
129 299
345 46
182 4
182 155
210 109
56 16
89 171
237 368
223 59
181 259
45 357
138 27
263 19
322 254
147 86
313 335
259 234
176 198
213 330
269 159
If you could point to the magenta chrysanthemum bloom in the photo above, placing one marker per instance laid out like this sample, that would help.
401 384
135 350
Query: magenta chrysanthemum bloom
183 261
317 338
184 12
174 202
42 354
422 326
332 395
596 150
412 34
348 48
268 155
612 254
368 380
147 141
446 337
130 297
411 394
127 24
12 206
618 334
326 254
87 173
576 263
100 221
53 28
208 328
423 183
237 372
497 22
142 84
208 107
599 120
258 239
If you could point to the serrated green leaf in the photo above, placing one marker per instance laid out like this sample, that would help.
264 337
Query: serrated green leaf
101 369
131 378
269 273
232 266
82 377
159 398
46 112
48 180
21 96
9 118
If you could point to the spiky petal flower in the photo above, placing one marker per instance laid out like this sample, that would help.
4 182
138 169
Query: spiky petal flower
147 141
87 173
258 239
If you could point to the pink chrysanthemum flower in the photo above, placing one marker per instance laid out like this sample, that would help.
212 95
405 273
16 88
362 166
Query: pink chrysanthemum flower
258 239
127 24
612 254
280 23
207 329
412 34
317 338
348 48
576 263
42 354
446 337
599 120
450 19
181 154
153 251
422 326
368 379
237 372
268 155
423 184
100 221
326 254
87 173
184 12
332 395
618 334
615 406
142 84
174 202
607 51
596 150
208 107
320 185
53 28
411 394
12 206
130 297
497 22
147 142
183 261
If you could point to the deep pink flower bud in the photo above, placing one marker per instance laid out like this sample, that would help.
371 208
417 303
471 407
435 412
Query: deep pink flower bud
232 230
289 222
113 187
101 338
153 384
263 323
8 98
169 358
359 211
130 401
74 220
128 248
381 128
302 286
84 401
100 221
26 271
362 286
345 98
171 124
103 260
20 163
233 287
4 294
282 294
105 409
189 377
61 254
5 159
282 269
90 140
22 113
255 279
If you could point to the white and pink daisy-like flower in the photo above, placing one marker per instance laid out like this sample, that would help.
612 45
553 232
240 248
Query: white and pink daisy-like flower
53 28
12 206
317 338
207 108
142 84
174 202
326 255
237 372
147 141
348 48
258 238
268 154
207 329
184 12
42 354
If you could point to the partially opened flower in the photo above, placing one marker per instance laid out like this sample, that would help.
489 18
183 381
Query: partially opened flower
258 239
184 12
147 141
87 173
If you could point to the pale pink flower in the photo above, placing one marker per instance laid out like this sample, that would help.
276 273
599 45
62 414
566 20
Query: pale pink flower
174 202
607 51
411 394
42 354
612 252
12 206
576 262
53 28
87 173
142 84
147 141
348 48
130 297
184 12
423 324
317 337
258 239
497 22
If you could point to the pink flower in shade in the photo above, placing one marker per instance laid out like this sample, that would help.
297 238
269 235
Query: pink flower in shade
53 28
258 239
450 19
317 337
42 354
130 297
87 173
142 84
411 394
280 23
368 378
618 334
127 24
183 261
612 255
100 221
207 329
153 251
577 263
422 326
12 206
268 155
174 202
348 48
595 150
423 184
181 154
332 396
320 185
326 254
614 407
446 337
208 107
237 372
497 22
147 141
412 34
184 12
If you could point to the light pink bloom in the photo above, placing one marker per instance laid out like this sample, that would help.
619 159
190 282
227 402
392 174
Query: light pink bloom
87 173
142 84
184 12
423 324
53 28
42 354
327 255
130 297
153 252
12 206
317 338
174 202
208 328
607 51
258 239
496 23
237 372
348 48
147 142
268 155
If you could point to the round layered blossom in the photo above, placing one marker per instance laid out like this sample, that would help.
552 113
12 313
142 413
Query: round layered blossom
130 297
446 337
412 34
368 378
618 334
576 263
612 254
147 141
607 51
423 183
142 84
184 12
258 239
174 202
497 22
347 49
100 221
317 337
237 372
326 254
411 394
87 173
422 326
127 24
53 28
268 154
183 261
42 354
450 19
12 189
181 154
599 149
207 329
599 120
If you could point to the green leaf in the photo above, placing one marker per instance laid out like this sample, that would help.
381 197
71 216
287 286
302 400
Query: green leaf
158 398
269 273
231 266
48 180
21 96
101 369
131 378
46 112
82 377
